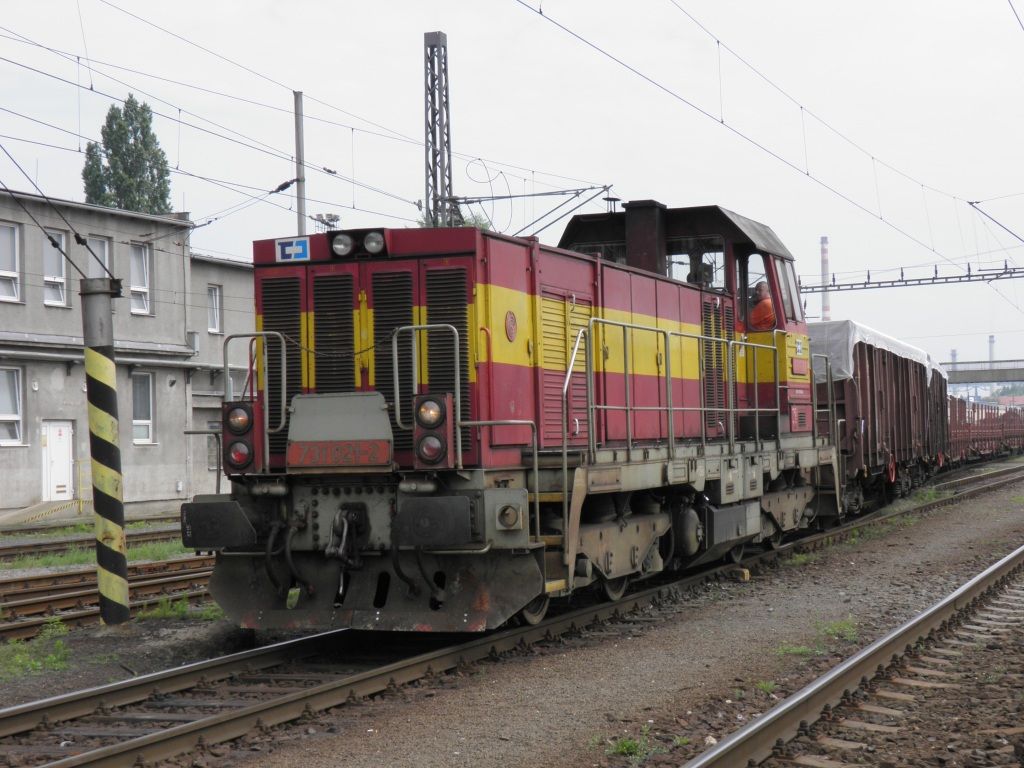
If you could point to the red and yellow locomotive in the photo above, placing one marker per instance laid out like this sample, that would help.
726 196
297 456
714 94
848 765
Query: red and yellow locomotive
445 428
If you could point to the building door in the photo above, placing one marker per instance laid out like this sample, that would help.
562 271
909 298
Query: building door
58 479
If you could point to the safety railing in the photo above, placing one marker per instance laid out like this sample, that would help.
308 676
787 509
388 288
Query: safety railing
229 385
457 405
830 404
729 354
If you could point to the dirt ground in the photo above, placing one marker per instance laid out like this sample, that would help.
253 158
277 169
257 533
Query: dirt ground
657 687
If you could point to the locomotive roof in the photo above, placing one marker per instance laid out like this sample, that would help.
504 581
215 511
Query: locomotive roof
696 221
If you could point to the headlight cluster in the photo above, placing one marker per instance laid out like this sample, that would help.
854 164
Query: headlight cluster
344 244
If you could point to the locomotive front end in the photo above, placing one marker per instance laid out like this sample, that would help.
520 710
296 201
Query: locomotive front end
357 496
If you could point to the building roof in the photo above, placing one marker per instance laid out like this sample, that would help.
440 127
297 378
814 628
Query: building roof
174 219
223 261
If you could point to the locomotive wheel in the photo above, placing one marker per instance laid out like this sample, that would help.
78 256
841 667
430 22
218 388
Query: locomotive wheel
772 542
614 589
534 612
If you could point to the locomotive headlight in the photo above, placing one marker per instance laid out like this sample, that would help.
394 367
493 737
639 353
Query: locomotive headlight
431 449
239 454
239 420
430 413
374 242
342 245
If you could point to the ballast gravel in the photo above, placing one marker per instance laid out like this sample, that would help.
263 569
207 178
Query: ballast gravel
661 686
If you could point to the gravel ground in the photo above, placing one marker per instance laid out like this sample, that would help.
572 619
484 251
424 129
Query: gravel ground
664 685
659 685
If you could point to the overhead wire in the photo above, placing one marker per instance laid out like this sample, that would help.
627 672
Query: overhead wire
390 132
745 137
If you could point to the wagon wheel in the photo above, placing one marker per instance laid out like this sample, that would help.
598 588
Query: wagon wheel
614 589
535 610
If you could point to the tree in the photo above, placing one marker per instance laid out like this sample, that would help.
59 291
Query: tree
135 176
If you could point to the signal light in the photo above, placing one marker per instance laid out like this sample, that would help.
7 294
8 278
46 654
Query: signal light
431 449
429 413
239 454
239 420
433 432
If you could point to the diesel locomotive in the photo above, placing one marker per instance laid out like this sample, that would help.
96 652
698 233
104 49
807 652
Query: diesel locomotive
444 429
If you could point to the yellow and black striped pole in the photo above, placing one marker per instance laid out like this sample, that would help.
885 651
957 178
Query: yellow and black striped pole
107 498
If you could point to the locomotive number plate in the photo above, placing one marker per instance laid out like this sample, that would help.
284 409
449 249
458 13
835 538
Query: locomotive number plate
339 453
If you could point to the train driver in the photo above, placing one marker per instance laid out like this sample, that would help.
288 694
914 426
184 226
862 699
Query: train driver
762 315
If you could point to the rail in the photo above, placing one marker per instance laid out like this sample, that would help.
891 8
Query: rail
414 329
264 355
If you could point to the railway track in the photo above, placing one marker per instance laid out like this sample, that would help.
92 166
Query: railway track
41 529
27 603
11 550
164 714
911 695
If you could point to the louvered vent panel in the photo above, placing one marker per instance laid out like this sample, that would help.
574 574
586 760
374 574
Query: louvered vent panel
446 303
555 354
392 308
333 333
714 354
282 310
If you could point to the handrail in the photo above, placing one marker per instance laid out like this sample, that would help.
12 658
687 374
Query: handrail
534 439
583 333
229 385
731 350
415 377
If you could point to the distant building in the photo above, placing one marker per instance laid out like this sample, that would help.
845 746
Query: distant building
169 326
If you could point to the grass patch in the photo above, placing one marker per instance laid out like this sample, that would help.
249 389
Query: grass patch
843 629
47 651
800 558
681 741
153 550
766 686
636 749
180 609
1017 499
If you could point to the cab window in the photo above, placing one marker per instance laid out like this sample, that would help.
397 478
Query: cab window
698 260
790 291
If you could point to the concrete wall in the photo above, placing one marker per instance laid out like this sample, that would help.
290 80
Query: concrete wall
44 343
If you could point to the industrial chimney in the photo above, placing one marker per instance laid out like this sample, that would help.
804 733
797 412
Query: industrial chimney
991 351
952 359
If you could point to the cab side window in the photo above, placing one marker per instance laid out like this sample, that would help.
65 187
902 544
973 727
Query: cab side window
790 291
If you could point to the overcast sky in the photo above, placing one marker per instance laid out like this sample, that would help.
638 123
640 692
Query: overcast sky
871 123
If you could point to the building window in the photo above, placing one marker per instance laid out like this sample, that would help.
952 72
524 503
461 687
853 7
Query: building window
10 406
10 283
54 288
142 408
213 447
141 268
215 308
101 247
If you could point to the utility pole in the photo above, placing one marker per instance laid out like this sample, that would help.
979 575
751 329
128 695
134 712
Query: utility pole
300 166
438 207
104 447
826 306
